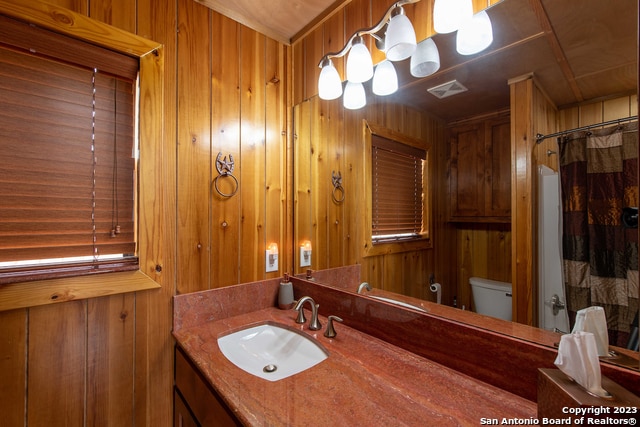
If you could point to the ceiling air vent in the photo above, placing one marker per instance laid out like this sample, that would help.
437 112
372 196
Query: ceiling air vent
447 89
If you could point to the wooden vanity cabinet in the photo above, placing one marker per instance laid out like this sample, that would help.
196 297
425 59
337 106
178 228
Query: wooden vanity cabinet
195 402
480 171
182 416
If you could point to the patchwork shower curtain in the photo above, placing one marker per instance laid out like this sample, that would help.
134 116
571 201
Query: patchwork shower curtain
598 172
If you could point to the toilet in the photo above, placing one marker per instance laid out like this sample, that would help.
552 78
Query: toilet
491 297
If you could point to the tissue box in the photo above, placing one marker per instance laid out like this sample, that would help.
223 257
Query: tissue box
560 398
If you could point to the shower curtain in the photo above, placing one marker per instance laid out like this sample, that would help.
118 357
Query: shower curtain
598 172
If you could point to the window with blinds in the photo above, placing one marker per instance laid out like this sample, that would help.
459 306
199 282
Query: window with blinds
67 156
397 190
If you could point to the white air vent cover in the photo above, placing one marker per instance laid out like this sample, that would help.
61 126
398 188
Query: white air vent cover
447 89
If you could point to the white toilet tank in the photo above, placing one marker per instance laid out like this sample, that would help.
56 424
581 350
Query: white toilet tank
491 297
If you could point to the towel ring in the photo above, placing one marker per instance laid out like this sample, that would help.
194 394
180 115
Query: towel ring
225 169
338 190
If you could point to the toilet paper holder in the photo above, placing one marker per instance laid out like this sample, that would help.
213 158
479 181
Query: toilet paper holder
435 288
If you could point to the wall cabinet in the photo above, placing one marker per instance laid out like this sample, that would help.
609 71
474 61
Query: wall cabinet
195 402
480 171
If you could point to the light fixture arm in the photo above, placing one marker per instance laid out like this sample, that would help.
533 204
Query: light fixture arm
374 31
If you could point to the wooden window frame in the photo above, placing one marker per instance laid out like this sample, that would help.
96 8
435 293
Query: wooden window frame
395 168
420 243
151 195
52 76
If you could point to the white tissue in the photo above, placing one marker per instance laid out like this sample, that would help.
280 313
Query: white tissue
435 287
594 320
578 359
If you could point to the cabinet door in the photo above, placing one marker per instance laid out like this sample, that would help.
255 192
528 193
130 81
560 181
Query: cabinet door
467 179
199 397
498 169
181 415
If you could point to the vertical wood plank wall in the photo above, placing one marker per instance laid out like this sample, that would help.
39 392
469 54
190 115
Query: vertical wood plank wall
108 361
460 252
227 89
321 216
329 140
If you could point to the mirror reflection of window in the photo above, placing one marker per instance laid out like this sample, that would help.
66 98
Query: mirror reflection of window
397 190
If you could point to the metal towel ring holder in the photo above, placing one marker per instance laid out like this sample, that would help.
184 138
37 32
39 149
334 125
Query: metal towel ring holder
225 168
338 190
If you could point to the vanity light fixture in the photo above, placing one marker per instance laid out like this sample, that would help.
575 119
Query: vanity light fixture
329 84
449 15
305 254
385 80
475 35
354 96
272 257
426 60
394 35
400 38
359 62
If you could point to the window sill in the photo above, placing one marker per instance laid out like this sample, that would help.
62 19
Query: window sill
52 291
397 247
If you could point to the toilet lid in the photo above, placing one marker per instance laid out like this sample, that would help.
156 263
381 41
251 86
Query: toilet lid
490 284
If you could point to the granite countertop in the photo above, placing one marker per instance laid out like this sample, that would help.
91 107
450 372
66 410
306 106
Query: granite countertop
364 381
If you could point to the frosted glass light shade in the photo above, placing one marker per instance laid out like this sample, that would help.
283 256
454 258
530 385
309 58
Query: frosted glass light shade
448 15
329 84
475 35
400 39
354 96
426 60
359 63
385 79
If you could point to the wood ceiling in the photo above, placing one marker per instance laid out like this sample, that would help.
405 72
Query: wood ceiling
577 50
281 20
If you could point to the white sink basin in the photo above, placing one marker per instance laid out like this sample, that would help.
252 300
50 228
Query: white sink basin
271 351
400 303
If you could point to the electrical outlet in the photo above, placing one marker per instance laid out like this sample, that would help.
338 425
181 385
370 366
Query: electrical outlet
271 258
305 257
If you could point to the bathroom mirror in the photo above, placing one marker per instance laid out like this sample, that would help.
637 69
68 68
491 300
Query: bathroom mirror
599 42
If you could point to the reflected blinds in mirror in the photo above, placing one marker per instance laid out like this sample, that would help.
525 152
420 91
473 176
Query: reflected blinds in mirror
397 190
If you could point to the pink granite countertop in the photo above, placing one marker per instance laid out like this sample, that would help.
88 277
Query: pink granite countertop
365 381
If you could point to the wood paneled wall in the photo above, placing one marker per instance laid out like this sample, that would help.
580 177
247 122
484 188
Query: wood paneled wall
336 234
228 89
109 360
329 139
232 98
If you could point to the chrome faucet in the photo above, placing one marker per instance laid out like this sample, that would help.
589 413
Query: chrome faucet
314 323
364 285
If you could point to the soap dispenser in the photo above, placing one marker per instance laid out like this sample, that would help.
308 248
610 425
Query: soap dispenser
285 294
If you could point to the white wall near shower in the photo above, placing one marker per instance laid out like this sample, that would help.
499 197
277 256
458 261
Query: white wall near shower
550 277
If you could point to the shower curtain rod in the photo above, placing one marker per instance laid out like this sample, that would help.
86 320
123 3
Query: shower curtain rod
540 137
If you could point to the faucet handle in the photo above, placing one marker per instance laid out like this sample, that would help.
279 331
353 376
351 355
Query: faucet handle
330 332
300 318
315 324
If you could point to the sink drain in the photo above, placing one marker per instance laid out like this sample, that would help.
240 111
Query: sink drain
269 368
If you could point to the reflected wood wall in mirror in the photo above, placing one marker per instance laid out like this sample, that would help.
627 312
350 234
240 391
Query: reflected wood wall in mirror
329 138
540 47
